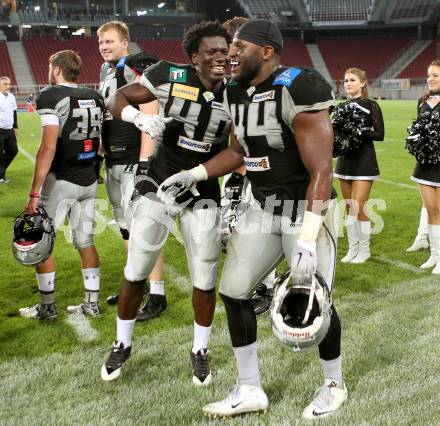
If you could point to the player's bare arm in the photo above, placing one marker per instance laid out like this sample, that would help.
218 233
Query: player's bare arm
44 158
131 94
314 138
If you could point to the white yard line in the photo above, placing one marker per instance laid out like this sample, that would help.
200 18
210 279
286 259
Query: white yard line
398 264
402 185
82 328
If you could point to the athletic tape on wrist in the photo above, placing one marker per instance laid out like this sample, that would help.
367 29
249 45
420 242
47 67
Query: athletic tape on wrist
129 113
310 227
199 173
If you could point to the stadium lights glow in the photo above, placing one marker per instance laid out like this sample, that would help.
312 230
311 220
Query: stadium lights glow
26 26
63 26
228 10
160 5
37 8
79 32
141 12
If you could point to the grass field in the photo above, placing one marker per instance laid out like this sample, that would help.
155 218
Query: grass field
49 373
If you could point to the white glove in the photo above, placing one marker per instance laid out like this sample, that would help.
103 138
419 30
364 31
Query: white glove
304 261
175 186
149 123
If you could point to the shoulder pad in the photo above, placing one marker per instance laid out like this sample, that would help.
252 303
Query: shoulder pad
287 76
140 61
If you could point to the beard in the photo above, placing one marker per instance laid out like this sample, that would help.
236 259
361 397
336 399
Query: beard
250 70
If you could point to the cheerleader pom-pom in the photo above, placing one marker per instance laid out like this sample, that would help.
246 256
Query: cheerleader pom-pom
347 125
423 140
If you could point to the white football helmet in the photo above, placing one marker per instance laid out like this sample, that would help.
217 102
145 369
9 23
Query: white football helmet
300 312
33 237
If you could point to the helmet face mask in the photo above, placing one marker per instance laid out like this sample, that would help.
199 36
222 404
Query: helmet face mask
300 312
33 238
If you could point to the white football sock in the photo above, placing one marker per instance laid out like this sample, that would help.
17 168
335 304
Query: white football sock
157 287
91 278
247 365
46 285
332 369
124 330
201 337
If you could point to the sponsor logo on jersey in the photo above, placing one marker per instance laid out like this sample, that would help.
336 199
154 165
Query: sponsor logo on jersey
260 97
287 76
185 92
86 155
257 164
178 74
217 105
89 103
250 90
88 145
209 96
193 145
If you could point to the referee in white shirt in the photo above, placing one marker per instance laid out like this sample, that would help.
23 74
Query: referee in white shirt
8 127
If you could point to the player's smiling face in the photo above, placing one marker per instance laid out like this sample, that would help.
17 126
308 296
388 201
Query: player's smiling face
433 79
245 60
212 58
353 85
111 47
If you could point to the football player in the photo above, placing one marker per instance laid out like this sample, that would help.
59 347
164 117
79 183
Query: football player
65 180
236 196
125 146
282 133
191 98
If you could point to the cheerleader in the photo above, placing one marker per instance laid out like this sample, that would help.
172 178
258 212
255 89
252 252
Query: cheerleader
358 169
427 175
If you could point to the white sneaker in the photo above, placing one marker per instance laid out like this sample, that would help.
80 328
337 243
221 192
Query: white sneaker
242 399
436 270
351 254
420 243
362 257
432 261
329 397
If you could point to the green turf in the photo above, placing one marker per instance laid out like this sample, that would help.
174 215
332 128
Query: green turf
389 313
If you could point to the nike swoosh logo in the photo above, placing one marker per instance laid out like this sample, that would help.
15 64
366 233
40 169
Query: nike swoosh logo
320 414
236 405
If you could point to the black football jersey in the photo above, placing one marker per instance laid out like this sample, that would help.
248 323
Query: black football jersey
80 113
262 117
199 129
121 140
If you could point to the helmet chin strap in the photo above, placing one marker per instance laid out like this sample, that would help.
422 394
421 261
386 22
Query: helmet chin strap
309 306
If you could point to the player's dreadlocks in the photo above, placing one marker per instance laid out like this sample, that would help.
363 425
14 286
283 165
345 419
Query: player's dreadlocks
193 35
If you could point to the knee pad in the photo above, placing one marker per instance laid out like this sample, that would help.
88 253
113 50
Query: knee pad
330 347
132 275
242 321
125 234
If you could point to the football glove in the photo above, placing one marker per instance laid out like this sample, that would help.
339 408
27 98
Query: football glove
175 186
304 261
234 186
151 124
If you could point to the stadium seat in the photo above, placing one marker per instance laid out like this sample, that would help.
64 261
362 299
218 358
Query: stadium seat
418 67
39 50
166 49
342 53
5 63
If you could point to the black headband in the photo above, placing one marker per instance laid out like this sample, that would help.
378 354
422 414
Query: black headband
262 33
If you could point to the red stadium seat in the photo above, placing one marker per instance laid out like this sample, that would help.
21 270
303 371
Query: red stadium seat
373 54
418 67
40 49
166 49
295 53
5 63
